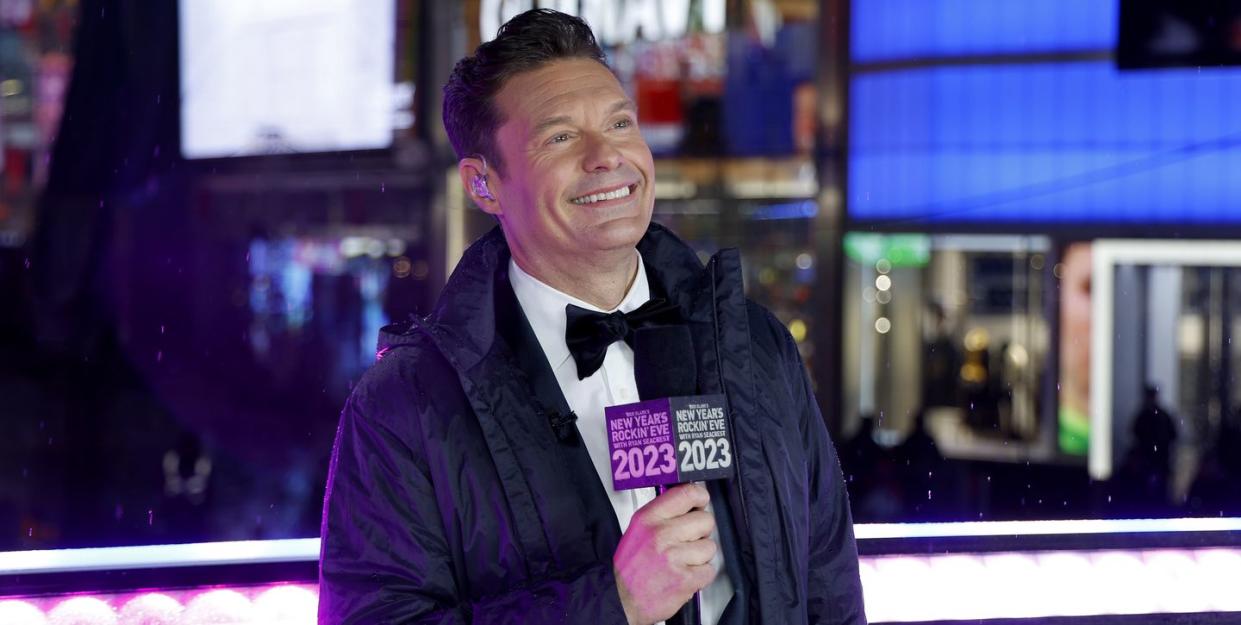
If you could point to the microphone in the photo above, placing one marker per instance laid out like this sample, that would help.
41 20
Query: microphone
671 436
562 425
663 362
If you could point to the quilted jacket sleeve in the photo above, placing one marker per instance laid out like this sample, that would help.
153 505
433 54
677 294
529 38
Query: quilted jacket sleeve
834 586
385 558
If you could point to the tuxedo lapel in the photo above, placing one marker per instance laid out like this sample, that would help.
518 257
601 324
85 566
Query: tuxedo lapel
598 519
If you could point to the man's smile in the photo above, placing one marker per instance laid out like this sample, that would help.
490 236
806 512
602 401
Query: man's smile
604 195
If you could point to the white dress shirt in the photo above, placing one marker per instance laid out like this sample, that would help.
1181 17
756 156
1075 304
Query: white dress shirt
611 385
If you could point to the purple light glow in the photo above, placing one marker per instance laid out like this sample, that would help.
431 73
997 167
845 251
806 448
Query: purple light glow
1125 587
869 531
1052 583
82 611
1176 573
910 597
287 605
218 606
898 588
151 609
1218 572
958 571
20 613
1011 574
1068 573
275 604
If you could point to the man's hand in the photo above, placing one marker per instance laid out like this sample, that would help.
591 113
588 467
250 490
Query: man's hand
665 555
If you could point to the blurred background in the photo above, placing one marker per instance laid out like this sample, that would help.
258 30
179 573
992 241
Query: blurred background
1002 234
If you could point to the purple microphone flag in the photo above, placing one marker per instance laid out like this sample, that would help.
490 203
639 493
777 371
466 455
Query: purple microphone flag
669 441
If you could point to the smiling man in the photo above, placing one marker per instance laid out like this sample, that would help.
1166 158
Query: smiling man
470 480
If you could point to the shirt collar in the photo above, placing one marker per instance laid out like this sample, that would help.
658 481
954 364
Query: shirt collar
544 307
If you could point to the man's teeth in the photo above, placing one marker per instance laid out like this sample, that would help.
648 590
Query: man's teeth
595 197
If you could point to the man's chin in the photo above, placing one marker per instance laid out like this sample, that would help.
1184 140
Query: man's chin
620 233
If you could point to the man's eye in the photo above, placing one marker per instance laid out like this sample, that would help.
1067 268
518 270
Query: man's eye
560 138
623 123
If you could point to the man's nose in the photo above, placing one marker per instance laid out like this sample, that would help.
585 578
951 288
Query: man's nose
601 154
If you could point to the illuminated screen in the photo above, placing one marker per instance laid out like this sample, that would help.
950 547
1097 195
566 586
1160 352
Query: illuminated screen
1054 142
901 29
288 76
971 112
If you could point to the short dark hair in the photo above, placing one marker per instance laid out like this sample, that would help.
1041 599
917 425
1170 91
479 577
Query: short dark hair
524 43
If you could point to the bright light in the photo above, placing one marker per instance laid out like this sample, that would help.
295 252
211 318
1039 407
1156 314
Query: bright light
883 283
883 325
897 588
152 608
13 611
281 77
219 606
797 328
1046 584
159 556
865 531
82 611
279 604
286 605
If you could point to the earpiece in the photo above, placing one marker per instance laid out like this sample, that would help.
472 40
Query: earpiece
478 184
480 188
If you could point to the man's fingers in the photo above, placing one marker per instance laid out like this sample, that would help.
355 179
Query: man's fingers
678 500
691 526
702 575
693 554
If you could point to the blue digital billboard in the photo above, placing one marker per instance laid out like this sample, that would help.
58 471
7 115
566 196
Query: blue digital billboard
1036 139
904 29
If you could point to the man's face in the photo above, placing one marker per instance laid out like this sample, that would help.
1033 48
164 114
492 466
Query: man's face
578 179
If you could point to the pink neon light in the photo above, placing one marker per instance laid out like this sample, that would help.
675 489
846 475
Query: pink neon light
82 611
908 576
1219 570
1124 585
898 588
152 608
21 613
1054 583
287 605
957 571
1068 576
1176 572
218 606
1007 589
280 604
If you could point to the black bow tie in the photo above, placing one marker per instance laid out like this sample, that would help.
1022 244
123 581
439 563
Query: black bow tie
589 333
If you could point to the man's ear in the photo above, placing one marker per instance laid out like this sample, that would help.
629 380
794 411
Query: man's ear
473 173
